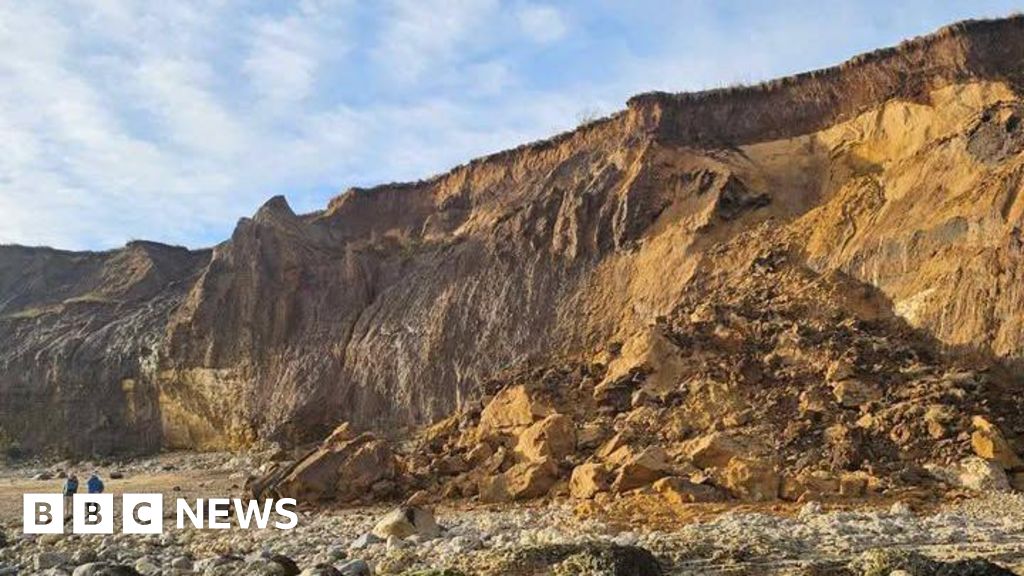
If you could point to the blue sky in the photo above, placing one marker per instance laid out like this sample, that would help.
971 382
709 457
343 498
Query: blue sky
125 119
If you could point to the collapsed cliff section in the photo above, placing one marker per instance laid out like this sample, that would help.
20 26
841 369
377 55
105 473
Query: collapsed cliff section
393 306
769 381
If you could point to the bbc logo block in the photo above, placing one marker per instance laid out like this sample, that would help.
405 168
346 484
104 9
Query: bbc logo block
43 514
92 513
143 513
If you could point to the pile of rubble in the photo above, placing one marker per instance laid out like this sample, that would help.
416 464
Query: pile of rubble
785 385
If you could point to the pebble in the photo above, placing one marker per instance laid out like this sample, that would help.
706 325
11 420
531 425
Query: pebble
355 568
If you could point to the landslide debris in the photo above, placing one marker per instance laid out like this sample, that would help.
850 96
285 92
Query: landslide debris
768 382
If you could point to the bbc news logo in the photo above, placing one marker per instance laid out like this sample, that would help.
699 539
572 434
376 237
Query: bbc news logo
144 513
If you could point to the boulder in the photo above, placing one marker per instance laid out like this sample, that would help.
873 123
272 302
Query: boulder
493 489
853 484
641 469
513 409
531 480
340 469
715 450
365 540
679 491
989 443
552 437
451 465
588 480
591 435
420 498
853 392
45 560
754 480
355 567
816 485
523 481
612 445
479 454
653 354
498 461
406 521
973 473
149 566
615 395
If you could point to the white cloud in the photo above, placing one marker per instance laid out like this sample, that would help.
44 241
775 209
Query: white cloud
280 66
543 24
286 52
423 35
177 92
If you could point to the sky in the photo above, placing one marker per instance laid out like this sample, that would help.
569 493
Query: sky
168 121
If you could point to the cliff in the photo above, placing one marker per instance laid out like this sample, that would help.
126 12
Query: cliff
900 170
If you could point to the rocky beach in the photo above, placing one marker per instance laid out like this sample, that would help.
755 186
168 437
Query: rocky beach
632 536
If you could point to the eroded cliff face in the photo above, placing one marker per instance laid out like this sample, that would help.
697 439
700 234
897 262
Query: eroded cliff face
78 336
392 307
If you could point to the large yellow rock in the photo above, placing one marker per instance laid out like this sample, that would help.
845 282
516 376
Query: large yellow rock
989 443
552 437
588 480
649 351
680 491
523 481
640 469
817 485
510 411
612 445
715 450
494 489
755 480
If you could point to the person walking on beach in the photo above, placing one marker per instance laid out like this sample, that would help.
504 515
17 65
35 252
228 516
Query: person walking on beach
94 484
70 488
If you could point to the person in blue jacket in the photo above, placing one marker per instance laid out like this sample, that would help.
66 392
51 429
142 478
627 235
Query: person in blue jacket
94 484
